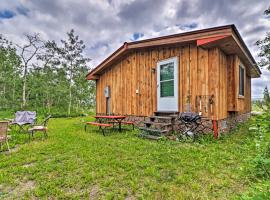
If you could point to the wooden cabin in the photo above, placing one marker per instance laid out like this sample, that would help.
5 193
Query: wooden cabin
206 71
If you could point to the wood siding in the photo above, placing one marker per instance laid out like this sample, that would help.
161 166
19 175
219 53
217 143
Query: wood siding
237 103
201 72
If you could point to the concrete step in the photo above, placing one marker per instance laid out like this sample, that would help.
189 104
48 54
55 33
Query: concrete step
155 131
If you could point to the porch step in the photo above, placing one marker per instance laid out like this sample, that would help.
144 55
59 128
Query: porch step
151 130
159 124
165 113
156 123
152 118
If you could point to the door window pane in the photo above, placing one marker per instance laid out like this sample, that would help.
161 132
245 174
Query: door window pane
166 71
167 88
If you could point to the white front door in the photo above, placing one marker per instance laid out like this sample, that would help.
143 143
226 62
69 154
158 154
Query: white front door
167 85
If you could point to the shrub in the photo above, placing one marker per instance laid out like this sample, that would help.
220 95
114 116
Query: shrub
262 165
64 115
262 161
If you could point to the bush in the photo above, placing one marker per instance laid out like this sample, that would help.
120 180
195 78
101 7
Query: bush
262 160
262 166
64 115
260 170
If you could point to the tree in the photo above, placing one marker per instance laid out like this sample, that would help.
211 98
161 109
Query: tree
68 56
45 77
267 11
83 90
9 74
266 96
47 89
264 46
28 52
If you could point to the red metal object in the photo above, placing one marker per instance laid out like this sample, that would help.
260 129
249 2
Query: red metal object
118 119
209 40
99 124
215 128
110 117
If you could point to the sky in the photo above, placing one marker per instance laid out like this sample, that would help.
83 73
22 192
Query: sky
104 25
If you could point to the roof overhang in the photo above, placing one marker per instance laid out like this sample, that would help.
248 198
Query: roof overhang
227 38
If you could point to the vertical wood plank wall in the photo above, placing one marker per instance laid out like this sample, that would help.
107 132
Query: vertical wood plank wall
231 89
236 103
201 72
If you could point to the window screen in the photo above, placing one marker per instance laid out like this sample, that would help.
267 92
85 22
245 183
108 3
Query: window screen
241 80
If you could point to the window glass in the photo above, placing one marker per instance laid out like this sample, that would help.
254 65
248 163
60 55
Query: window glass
241 80
167 88
166 71
167 80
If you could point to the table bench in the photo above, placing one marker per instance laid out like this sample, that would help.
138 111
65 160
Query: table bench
123 122
116 118
101 126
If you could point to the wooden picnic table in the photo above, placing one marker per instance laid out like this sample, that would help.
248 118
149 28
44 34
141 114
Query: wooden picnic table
117 118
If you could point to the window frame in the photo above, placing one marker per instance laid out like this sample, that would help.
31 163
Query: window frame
240 93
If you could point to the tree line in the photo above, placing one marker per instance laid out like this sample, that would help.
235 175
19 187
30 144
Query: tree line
45 76
264 54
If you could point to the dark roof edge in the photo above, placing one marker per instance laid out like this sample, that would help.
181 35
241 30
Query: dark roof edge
183 34
246 48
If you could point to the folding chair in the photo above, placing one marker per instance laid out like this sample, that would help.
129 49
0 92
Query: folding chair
43 127
3 134
24 119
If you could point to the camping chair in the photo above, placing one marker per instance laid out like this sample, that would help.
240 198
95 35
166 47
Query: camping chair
43 127
24 119
3 134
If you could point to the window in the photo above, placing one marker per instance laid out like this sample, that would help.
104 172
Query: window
241 81
167 80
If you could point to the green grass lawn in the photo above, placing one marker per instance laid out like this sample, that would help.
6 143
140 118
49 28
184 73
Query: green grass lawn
75 164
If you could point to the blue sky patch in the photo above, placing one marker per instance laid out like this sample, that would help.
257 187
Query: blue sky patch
6 14
136 36
187 26
22 10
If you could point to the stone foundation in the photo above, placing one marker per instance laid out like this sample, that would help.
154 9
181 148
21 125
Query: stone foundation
226 125
230 123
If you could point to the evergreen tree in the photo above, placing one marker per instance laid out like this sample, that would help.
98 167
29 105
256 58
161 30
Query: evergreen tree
264 46
266 96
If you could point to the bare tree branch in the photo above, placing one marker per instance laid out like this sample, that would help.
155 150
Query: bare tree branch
28 52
